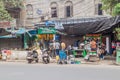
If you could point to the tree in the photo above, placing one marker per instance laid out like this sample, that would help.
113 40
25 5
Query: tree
117 9
113 8
13 3
5 4
117 12
109 5
4 15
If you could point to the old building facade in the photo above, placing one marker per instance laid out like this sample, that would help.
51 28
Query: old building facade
37 11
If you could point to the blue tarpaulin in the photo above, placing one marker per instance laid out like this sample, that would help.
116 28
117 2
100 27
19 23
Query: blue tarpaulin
33 32
19 32
47 23
6 36
22 31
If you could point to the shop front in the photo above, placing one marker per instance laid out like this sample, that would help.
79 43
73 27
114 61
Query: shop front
18 38
10 42
45 36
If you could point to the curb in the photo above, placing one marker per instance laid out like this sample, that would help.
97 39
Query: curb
82 63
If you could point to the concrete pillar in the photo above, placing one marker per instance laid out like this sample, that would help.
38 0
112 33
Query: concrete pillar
108 44
23 15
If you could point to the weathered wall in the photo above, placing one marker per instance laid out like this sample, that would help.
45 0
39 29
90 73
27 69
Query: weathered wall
81 9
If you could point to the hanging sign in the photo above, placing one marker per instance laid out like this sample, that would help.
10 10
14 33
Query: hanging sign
46 31
39 11
93 35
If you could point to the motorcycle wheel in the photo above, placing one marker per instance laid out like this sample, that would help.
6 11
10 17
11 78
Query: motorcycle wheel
29 61
65 62
45 62
48 61
36 61
60 62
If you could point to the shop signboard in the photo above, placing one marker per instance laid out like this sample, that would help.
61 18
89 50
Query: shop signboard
93 35
8 24
39 11
46 31
5 24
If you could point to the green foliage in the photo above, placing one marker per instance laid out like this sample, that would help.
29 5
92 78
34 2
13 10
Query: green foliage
117 30
109 5
4 4
13 3
117 9
4 15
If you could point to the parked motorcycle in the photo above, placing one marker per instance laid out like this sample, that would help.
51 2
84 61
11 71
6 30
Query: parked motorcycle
45 56
32 56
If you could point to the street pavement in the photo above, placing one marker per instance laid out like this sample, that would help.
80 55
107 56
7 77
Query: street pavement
106 61
24 71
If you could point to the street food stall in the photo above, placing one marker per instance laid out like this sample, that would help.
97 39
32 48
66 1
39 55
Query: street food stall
46 34
93 36
88 38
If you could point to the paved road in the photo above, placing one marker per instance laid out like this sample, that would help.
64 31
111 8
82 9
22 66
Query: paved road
24 71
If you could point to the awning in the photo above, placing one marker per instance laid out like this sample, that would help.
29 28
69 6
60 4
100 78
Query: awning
7 36
3 32
105 25
19 31
33 32
22 31
46 31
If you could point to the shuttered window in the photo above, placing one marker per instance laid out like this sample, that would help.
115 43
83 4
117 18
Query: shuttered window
54 12
98 9
68 9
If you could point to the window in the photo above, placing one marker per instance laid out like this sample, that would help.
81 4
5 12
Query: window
54 12
68 9
42 18
29 10
98 9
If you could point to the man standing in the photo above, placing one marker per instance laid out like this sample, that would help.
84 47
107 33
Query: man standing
93 45
113 47
57 47
52 48
63 46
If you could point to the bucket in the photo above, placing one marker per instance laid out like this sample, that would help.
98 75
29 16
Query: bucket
72 62
77 62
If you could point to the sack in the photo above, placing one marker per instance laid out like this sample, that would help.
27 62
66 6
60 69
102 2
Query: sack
87 57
